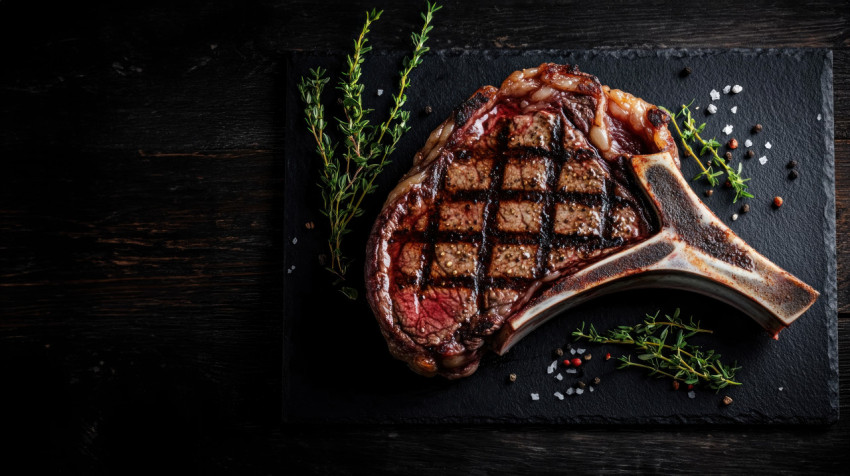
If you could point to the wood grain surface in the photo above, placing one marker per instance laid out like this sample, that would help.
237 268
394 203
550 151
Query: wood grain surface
141 238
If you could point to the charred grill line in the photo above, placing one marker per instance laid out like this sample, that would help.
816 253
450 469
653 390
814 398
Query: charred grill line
429 243
547 227
490 211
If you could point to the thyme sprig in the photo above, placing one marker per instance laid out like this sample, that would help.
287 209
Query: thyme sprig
691 133
665 351
365 148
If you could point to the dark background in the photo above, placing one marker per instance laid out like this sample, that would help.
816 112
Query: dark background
141 244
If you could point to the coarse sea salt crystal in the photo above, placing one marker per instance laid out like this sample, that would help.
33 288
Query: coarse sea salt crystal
380 92
559 377
692 394
737 89
714 95
711 109
768 145
590 388
728 129
572 351
295 241
581 351
781 388
734 216
726 89
748 143
552 367
570 391
763 159
734 110
559 395
579 391
571 371
535 396
820 117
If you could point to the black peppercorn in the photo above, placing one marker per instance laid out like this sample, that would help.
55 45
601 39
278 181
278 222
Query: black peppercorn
596 381
792 164
512 377
685 72
750 154
745 208
709 192
793 175
728 156
559 352
727 184
581 384
757 128
428 110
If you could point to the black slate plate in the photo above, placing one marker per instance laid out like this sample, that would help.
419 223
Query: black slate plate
337 368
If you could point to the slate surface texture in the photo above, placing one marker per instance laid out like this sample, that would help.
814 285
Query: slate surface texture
318 387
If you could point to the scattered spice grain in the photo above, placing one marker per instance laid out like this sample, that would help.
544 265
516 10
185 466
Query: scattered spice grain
685 72
777 201
750 154
757 128
793 175
675 385
733 143
727 400
792 164
709 192
597 381
512 377
745 208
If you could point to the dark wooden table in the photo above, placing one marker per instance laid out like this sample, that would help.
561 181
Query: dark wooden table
141 238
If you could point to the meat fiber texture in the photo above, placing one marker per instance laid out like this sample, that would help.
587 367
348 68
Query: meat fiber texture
520 187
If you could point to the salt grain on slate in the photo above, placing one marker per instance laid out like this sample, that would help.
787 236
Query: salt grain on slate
737 89
559 377
579 391
734 216
728 129
295 241
780 388
711 109
692 394
726 89
380 92
590 388
571 371
572 351
580 351
552 367
820 117
559 395
734 110
768 145
763 159
535 396
714 95
748 143
570 391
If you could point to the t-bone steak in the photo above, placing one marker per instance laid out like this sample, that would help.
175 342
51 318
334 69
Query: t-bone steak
534 197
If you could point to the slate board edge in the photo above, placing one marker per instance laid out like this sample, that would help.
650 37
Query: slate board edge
830 237
292 57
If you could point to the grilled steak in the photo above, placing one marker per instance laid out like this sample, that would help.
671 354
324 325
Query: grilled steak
535 196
